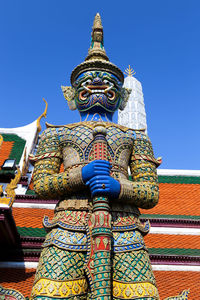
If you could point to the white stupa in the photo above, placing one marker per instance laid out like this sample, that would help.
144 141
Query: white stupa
134 115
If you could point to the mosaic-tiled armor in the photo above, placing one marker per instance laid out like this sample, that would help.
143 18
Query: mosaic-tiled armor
67 264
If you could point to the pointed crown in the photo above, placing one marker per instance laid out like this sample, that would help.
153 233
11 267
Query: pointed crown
97 58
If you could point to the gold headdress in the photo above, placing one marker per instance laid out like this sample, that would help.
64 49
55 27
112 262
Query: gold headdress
97 58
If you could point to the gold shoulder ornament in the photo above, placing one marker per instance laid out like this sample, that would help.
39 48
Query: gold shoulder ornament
125 93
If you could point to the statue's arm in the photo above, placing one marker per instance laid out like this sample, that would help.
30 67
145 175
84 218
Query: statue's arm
143 191
48 182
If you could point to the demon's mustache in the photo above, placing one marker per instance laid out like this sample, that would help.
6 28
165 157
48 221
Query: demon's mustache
97 89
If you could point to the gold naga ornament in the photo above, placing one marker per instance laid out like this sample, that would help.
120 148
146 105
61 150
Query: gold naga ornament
10 190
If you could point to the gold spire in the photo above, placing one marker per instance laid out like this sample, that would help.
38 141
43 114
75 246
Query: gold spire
96 50
97 22
129 71
97 58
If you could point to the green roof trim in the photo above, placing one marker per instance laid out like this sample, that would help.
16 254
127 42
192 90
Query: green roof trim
30 192
174 217
8 173
18 146
175 251
176 179
33 232
179 179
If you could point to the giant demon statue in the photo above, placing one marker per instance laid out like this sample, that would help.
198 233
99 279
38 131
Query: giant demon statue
94 247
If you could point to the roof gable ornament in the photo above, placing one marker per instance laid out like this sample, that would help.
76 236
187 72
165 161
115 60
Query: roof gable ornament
10 188
9 197
44 114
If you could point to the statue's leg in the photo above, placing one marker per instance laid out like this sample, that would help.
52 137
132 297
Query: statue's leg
60 275
133 277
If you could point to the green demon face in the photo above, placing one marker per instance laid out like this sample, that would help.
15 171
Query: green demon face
99 90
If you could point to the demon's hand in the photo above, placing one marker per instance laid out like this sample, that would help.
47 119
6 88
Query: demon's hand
102 185
96 167
97 176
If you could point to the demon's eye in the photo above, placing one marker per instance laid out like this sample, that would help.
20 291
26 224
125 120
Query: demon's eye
88 81
105 81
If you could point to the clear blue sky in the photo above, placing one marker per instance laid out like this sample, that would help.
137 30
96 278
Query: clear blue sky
41 41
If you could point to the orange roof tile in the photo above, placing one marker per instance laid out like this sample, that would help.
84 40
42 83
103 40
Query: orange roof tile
31 217
5 150
172 241
172 283
18 279
177 199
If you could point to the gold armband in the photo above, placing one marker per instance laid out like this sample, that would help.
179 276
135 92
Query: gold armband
75 178
157 161
34 158
126 191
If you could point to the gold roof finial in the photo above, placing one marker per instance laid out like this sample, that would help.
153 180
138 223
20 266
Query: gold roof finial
39 128
129 71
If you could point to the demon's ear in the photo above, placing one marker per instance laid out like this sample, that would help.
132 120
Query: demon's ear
69 94
125 92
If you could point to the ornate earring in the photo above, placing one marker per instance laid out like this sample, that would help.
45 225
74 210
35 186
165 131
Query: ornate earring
125 92
69 94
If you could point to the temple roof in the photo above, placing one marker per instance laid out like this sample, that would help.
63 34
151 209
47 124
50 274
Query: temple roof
19 138
31 217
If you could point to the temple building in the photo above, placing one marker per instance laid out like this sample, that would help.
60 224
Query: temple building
134 115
